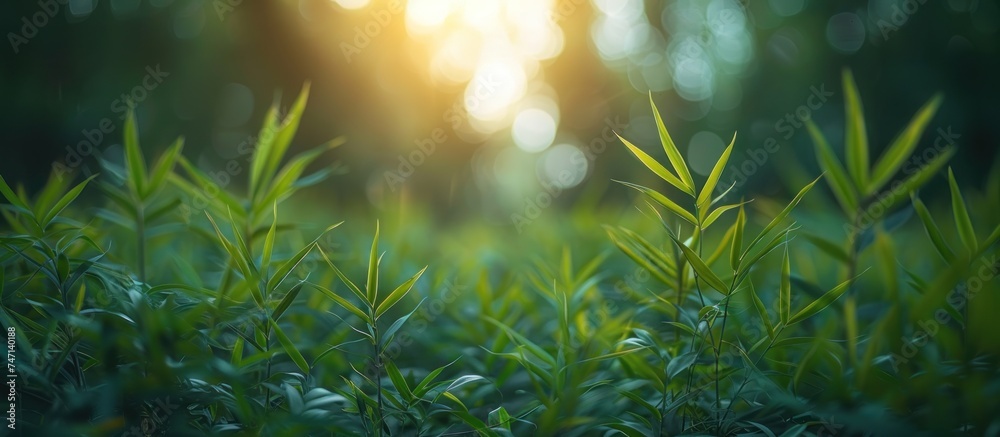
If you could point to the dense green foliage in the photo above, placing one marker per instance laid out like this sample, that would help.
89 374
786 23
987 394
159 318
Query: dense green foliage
155 315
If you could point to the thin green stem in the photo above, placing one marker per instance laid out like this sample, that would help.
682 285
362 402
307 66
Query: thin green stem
140 230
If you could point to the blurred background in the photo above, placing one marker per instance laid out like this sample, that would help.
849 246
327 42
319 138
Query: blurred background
473 108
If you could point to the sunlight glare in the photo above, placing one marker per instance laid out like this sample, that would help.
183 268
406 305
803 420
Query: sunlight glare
494 48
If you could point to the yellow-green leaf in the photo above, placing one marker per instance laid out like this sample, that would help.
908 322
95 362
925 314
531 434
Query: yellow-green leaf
901 148
856 138
656 167
962 220
843 188
673 154
705 197
290 349
398 294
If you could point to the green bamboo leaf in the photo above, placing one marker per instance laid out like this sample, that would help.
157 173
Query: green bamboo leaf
395 326
399 382
901 148
703 271
269 240
14 199
856 137
135 165
286 301
163 167
673 154
828 247
343 303
664 201
500 418
736 249
724 244
785 294
642 261
290 349
64 202
350 284
398 294
373 261
762 311
647 250
262 149
244 250
782 215
656 167
962 220
933 231
843 189
705 196
714 215
824 301
284 183
237 357
680 363
283 137
522 341
207 189
425 385
749 261
917 179
286 268
234 254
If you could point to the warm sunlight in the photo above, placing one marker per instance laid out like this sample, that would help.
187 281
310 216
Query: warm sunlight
493 49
